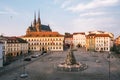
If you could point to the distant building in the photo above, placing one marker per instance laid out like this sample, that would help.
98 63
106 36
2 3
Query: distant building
68 40
90 42
98 42
102 42
117 41
14 46
79 39
1 53
42 38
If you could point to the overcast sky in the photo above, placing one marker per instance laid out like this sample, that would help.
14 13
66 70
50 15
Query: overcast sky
62 15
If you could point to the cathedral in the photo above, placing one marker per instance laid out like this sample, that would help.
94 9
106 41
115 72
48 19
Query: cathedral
41 37
37 26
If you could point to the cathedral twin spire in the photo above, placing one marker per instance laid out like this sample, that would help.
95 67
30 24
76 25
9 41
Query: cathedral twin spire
37 24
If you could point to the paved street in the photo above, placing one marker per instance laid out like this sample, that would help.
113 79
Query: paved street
44 68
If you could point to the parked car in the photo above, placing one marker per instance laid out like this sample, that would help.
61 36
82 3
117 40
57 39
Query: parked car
34 56
27 59
24 75
43 52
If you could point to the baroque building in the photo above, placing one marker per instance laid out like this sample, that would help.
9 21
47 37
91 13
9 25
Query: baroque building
117 41
79 39
41 38
98 42
13 46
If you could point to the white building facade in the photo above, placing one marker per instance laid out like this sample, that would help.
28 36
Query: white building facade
102 42
79 39
40 41
15 46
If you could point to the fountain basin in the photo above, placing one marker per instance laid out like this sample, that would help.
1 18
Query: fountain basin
71 68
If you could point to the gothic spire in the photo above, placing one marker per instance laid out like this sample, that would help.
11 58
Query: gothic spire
31 24
39 21
34 19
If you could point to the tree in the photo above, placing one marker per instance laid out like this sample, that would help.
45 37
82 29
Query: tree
9 58
116 49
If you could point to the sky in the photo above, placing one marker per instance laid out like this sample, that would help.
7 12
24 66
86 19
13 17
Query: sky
62 15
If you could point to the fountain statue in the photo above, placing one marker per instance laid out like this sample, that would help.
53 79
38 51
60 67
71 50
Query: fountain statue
70 63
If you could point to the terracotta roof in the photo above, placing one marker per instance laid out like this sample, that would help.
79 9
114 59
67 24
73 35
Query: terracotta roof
70 36
102 35
99 35
15 40
92 34
43 34
83 33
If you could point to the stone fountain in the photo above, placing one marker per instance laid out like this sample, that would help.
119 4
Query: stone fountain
70 63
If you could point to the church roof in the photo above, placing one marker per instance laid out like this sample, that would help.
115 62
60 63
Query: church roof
45 27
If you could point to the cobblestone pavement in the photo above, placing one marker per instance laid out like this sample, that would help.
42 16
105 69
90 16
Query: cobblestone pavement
44 68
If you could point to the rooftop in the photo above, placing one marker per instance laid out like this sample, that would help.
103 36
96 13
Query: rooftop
43 34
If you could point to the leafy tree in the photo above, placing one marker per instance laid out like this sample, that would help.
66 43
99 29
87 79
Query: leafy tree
9 58
116 49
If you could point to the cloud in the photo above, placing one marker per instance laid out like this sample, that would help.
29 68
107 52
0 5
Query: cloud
101 23
66 3
56 1
92 14
3 12
92 5
8 10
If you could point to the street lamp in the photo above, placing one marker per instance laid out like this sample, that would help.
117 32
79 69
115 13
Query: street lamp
109 54
24 74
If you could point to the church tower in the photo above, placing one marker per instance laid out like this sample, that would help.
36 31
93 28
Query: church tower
34 23
38 25
39 21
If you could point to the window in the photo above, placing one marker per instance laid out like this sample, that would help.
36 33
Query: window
45 43
37 43
59 43
59 47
